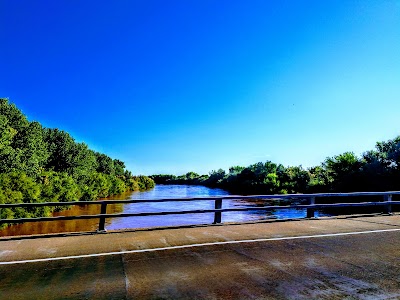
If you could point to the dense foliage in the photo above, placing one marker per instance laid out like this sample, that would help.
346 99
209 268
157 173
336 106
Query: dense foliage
39 164
375 170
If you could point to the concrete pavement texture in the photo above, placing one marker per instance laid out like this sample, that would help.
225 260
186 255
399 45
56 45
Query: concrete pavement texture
342 258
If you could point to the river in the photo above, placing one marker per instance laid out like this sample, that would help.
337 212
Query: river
159 192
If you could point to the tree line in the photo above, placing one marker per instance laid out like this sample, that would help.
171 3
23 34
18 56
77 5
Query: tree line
39 164
374 170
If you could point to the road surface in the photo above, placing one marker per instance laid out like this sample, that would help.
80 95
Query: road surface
345 258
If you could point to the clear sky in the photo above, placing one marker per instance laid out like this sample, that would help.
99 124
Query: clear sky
177 86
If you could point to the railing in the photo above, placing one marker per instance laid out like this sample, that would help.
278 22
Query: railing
387 204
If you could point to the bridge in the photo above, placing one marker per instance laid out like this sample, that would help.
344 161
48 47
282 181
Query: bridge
343 257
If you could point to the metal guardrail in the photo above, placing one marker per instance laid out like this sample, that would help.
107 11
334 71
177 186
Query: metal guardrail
387 204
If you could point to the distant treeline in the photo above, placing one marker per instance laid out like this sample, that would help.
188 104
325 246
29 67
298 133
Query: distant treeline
374 170
39 164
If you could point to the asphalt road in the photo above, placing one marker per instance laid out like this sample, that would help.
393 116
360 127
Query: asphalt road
317 259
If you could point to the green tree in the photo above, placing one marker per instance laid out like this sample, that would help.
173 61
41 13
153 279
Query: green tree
60 145
65 155
320 180
59 187
118 186
216 177
16 119
192 175
119 167
7 152
32 149
236 169
295 180
344 170
105 164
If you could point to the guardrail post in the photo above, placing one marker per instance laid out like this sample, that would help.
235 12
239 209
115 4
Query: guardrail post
217 214
102 221
310 211
388 207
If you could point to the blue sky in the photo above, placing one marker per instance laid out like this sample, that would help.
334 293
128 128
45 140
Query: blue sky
178 86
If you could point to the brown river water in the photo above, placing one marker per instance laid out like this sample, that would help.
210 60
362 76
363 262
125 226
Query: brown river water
67 225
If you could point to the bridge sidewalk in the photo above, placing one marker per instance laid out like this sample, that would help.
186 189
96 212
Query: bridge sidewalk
43 247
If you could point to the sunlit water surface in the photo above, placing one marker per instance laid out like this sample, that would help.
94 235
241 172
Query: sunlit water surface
189 191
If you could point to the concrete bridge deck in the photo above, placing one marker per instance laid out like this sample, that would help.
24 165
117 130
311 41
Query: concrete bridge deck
345 258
